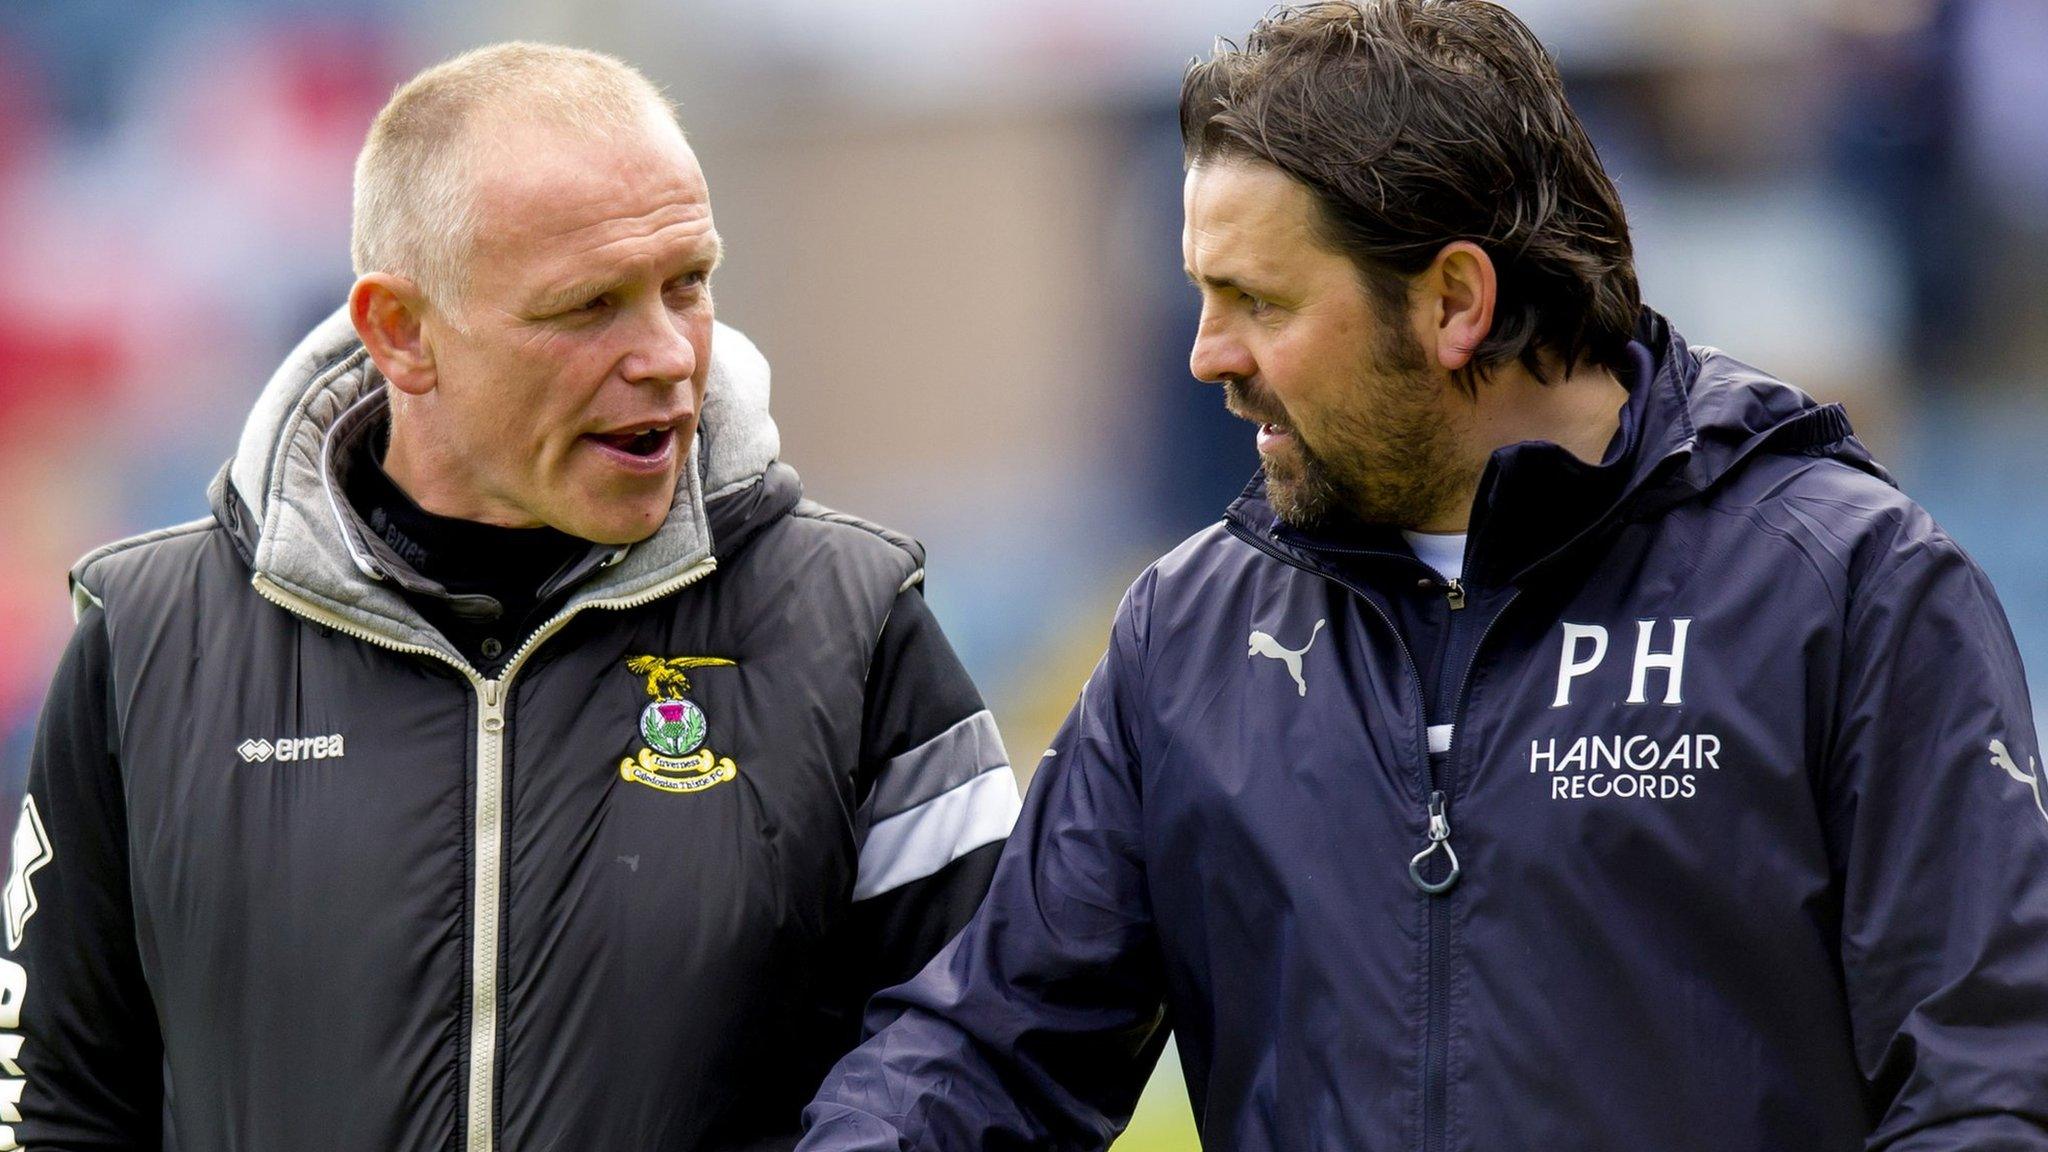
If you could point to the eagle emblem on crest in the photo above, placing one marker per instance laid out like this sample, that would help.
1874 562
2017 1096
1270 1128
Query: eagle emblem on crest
675 728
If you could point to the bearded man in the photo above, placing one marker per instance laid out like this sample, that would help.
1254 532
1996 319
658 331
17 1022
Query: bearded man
1571 739
513 759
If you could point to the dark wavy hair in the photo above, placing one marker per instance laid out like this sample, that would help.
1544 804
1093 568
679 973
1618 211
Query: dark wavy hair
1415 123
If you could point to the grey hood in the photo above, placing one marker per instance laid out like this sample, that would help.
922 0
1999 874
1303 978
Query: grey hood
303 541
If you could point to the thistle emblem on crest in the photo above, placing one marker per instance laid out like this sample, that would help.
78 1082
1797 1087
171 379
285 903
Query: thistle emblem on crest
675 728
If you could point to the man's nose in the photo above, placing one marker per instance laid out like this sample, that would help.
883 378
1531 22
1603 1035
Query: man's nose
1218 356
662 352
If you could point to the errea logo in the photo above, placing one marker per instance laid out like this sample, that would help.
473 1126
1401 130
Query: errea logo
255 751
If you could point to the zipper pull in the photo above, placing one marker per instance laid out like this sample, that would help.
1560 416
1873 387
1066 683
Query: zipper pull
1454 591
1439 840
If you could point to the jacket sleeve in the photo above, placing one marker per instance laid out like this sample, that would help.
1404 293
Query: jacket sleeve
78 1033
1037 1027
937 798
1939 828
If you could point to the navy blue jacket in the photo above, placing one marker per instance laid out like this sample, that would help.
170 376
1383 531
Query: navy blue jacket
1743 787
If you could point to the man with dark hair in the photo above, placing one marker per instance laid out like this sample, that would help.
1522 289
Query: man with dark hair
1570 739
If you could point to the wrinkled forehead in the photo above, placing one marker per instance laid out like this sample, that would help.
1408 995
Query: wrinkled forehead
540 185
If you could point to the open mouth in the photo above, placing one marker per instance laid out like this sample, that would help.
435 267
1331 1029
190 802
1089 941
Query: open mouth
649 442
643 447
1273 435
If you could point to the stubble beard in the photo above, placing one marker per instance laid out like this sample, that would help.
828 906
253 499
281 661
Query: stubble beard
1298 485
1390 457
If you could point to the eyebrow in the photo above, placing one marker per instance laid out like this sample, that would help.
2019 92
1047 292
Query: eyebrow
1212 281
582 290
573 295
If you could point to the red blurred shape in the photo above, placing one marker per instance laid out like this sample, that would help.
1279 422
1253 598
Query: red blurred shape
42 361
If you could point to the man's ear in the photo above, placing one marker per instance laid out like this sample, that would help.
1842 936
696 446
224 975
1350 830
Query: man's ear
1459 290
387 311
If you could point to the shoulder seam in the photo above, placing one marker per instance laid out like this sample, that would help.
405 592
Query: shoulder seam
199 524
811 510
128 544
1753 515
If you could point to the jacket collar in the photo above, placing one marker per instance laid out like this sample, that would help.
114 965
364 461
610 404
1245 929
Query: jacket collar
1693 420
281 500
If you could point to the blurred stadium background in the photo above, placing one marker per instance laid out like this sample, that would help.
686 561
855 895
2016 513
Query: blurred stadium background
953 227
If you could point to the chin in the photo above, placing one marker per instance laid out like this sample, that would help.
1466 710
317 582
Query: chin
620 522
609 509
1298 489
1293 509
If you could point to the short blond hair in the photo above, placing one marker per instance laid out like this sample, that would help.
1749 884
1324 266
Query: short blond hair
415 200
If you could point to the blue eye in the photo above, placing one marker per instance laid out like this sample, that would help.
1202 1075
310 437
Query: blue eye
687 290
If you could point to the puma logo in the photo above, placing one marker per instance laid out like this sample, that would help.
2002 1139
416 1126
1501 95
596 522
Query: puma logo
1264 645
2002 759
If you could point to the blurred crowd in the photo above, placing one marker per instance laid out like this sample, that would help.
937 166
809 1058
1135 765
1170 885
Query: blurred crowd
953 225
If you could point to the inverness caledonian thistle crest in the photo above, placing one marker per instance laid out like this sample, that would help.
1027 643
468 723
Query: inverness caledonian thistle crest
675 759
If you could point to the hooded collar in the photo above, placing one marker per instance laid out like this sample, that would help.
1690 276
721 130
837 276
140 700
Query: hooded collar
279 496
1693 420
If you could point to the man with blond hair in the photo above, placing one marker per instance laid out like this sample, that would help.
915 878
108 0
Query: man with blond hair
513 759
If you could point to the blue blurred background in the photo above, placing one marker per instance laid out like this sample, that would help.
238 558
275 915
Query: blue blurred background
953 226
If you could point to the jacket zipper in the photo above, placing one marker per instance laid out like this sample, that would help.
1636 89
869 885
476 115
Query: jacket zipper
1436 1043
487 883
1439 817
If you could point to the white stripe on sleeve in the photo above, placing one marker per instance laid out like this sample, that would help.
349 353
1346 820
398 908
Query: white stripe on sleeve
916 843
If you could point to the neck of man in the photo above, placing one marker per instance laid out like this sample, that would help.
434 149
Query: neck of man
432 475
1580 413
465 557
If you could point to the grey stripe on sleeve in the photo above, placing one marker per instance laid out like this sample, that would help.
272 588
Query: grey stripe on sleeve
937 766
921 842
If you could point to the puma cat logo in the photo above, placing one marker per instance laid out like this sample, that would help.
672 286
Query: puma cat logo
1264 645
2001 758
